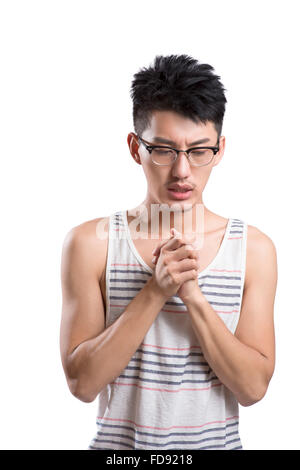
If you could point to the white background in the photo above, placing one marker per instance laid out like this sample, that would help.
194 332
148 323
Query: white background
65 111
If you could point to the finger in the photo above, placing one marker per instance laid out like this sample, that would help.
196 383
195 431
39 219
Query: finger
160 244
188 239
171 244
154 260
158 247
195 239
183 252
187 265
188 275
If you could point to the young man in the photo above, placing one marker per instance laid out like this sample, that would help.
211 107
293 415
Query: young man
171 330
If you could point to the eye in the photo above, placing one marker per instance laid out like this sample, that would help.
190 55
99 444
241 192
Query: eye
198 152
162 151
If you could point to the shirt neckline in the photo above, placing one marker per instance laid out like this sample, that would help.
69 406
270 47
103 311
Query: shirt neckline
141 260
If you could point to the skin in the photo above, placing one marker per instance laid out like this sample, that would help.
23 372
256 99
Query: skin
183 132
245 361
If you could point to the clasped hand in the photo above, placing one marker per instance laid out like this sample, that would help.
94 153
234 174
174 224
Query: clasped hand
176 266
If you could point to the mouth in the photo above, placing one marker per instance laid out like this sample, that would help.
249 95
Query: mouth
176 193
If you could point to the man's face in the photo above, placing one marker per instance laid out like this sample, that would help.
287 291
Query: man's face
182 132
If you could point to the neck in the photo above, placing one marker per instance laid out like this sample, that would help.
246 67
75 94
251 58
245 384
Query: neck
156 220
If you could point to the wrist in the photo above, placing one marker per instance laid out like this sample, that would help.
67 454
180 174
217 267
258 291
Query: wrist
155 290
196 299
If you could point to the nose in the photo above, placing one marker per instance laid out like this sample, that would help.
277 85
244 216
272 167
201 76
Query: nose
181 167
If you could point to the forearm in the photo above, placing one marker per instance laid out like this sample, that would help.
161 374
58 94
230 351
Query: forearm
98 361
239 367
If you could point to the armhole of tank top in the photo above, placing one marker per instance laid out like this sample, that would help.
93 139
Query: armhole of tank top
107 273
243 261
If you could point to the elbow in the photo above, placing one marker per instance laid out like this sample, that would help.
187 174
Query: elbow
84 398
253 395
80 392
79 384
255 388
248 401
83 393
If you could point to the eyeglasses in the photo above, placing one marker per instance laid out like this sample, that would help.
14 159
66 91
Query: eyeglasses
198 156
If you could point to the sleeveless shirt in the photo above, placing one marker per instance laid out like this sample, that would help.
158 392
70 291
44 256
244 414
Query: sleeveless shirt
168 397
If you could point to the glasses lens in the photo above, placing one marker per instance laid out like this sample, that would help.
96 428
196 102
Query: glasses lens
163 156
201 157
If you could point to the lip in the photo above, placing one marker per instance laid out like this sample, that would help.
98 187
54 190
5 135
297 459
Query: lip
180 186
180 195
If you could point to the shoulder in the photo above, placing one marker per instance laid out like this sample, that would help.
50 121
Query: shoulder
87 243
259 242
261 254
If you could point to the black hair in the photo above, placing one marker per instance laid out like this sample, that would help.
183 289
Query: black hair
181 84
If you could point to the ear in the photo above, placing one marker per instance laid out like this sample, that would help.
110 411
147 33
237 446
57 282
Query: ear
133 145
219 155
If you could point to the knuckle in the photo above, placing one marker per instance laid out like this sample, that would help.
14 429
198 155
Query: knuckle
188 250
169 271
166 260
172 274
163 249
192 252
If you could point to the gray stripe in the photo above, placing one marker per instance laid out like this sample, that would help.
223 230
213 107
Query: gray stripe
222 286
181 356
153 444
116 297
170 434
238 278
135 271
234 440
166 382
172 365
128 280
126 288
114 442
151 371
221 294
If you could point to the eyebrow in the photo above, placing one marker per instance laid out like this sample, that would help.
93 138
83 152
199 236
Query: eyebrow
170 142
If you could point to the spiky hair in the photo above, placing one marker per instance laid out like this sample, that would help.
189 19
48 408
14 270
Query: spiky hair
181 84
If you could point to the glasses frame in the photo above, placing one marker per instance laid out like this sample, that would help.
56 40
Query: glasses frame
150 147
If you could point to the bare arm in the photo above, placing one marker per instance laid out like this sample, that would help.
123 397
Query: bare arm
244 362
93 356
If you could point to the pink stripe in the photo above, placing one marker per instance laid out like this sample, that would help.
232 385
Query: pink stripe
174 311
172 349
218 270
221 311
171 427
162 310
165 390
120 264
186 311
226 270
234 238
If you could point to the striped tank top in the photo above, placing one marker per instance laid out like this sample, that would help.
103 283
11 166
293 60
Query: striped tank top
168 397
